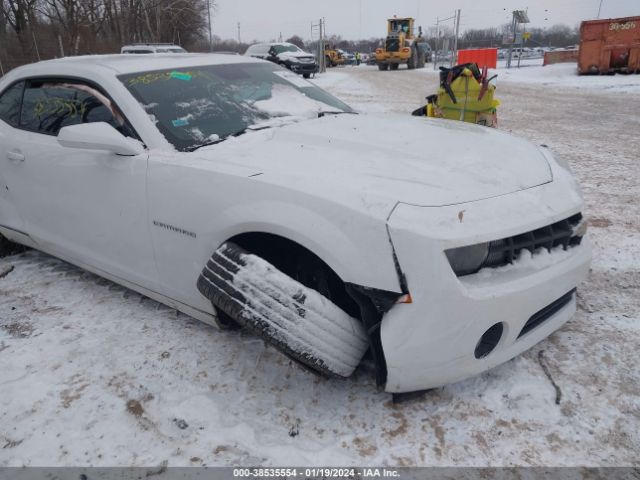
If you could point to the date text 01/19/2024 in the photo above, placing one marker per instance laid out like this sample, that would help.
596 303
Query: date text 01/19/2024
317 472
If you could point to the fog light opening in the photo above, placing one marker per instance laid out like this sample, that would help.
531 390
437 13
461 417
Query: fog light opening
489 340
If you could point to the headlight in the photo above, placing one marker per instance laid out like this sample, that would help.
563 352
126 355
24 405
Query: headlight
466 260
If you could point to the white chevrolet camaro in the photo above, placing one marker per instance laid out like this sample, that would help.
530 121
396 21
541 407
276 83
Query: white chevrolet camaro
245 196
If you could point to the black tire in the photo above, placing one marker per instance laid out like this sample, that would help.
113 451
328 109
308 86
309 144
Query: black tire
9 248
306 75
383 66
411 63
394 66
327 61
297 320
421 59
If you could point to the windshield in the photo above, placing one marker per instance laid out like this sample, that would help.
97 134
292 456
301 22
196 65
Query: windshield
195 106
285 48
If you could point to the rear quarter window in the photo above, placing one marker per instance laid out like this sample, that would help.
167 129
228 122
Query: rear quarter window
10 101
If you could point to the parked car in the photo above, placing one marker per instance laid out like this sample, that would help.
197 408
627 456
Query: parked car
152 48
349 58
234 191
426 49
286 54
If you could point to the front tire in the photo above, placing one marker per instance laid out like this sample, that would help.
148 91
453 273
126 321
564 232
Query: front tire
411 63
306 75
383 66
298 320
9 248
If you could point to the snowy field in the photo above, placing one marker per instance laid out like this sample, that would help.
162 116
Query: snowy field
94 374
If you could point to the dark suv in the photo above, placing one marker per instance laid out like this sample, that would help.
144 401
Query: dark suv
287 55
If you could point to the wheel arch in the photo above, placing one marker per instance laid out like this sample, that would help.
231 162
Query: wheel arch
356 247
280 236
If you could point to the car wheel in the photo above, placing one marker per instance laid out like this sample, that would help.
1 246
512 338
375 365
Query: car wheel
9 248
298 320
394 66
383 66
306 75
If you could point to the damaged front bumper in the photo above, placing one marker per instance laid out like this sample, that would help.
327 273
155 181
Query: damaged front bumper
441 336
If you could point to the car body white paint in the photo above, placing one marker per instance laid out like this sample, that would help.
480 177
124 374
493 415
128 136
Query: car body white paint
350 188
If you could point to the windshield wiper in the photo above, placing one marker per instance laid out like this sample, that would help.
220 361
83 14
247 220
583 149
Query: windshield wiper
333 112
193 148
222 139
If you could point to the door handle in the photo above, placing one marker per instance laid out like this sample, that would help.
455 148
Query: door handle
15 156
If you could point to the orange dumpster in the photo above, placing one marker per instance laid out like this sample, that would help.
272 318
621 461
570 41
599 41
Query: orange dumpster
611 45
484 57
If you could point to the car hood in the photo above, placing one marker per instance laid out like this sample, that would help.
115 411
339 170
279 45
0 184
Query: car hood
414 160
294 55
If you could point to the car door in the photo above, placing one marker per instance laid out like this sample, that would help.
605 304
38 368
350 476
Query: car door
11 222
86 205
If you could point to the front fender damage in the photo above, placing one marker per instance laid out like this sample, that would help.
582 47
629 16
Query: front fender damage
373 304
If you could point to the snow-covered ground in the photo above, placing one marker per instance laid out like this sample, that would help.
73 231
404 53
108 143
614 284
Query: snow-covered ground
93 374
531 71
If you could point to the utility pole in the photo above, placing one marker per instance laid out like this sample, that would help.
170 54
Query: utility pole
239 41
519 16
455 41
599 9
210 31
322 57
513 39
435 51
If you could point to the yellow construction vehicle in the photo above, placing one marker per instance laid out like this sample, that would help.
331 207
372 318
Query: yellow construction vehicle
401 46
332 57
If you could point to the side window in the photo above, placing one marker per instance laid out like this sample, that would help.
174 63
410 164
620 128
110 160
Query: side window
10 104
47 106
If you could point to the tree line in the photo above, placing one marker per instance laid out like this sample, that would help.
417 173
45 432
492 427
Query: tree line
43 29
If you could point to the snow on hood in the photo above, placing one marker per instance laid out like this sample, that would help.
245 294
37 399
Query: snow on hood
285 55
384 159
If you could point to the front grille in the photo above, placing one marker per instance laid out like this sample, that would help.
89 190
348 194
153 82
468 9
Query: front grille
393 44
546 313
562 233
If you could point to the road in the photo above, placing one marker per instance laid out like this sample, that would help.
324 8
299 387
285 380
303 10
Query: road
94 374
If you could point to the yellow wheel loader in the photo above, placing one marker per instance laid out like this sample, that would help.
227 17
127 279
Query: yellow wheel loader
332 57
401 46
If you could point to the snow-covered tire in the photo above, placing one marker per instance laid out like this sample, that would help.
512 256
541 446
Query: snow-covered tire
295 319
8 248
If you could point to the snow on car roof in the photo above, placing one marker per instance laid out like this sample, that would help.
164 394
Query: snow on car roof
122 64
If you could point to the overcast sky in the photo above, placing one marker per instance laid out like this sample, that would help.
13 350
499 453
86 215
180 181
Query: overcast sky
353 19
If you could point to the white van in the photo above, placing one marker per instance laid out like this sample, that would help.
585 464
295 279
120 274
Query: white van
152 48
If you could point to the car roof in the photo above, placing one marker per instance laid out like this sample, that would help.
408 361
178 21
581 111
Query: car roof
144 45
274 43
123 63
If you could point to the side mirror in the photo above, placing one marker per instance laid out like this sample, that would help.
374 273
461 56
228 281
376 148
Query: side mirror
98 136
